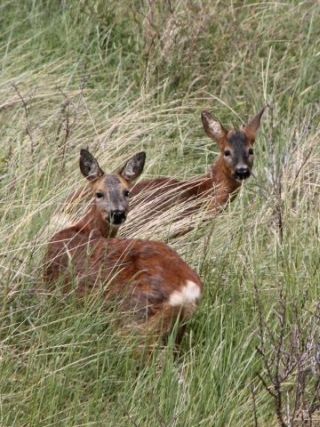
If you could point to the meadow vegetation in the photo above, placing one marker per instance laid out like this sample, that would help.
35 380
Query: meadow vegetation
121 77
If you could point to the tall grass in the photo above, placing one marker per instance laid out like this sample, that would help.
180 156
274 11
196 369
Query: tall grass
119 77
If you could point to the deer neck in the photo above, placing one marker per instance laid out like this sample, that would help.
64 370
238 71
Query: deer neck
222 181
93 224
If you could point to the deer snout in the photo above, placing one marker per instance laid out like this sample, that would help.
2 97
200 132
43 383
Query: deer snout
117 217
242 172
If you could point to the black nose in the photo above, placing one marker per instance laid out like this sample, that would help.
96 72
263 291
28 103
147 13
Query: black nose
117 217
242 172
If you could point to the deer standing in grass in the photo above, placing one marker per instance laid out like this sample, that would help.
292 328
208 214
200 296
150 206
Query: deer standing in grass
148 278
218 186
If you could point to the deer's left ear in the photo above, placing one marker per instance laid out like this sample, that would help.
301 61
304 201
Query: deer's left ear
253 125
89 166
133 168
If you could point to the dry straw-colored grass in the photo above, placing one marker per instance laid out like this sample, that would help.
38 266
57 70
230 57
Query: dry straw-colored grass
120 80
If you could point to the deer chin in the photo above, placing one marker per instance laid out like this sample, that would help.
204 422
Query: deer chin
115 224
241 178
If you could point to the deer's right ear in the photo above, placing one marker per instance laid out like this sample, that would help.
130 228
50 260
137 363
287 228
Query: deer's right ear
254 124
89 166
213 127
133 167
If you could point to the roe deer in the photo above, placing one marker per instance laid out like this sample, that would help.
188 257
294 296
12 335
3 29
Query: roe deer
218 186
148 279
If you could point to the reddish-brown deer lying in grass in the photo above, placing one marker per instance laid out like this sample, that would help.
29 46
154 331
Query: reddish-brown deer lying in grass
147 278
218 186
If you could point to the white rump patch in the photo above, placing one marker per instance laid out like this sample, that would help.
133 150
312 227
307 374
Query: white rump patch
189 294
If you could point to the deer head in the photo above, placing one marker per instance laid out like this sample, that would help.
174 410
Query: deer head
112 191
236 146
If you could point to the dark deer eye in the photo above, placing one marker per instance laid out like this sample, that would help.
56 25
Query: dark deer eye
227 152
126 193
250 151
99 195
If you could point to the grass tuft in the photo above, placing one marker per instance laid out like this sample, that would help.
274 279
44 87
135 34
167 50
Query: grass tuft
119 78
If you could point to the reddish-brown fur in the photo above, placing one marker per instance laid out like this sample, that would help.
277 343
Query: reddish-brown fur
139 275
218 186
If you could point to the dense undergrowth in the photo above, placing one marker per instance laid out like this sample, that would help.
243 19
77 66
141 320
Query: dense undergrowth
119 77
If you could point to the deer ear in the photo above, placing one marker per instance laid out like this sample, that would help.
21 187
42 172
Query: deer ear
213 127
133 168
253 125
89 166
